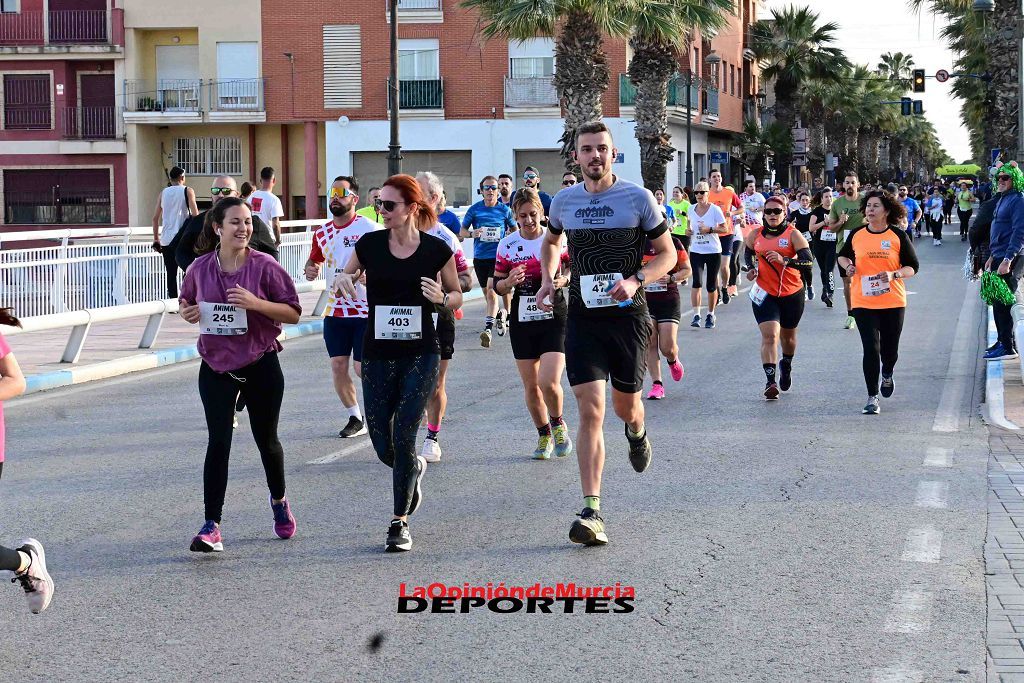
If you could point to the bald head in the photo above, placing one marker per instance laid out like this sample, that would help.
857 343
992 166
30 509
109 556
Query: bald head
225 181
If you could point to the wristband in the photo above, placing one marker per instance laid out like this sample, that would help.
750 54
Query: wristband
444 301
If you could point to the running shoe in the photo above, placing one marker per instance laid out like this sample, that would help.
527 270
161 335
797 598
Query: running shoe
485 339
936 243
417 493
827 298
810 293
771 391
888 385
284 520
499 323
563 444
588 529
234 421
918 234
696 321
851 323
709 322
963 238
657 393
725 296
872 407
431 450
36 579
676 369
639 451
785 376
545 447
208 539
355 427
399 537
999 352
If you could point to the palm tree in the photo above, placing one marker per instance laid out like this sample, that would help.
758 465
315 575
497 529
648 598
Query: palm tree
759 144
658 25
581 66
895 66
794 49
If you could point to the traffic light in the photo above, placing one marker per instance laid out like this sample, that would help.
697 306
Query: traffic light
905 106
918 108
918 80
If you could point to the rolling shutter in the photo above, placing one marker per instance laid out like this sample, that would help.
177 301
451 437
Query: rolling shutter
343 71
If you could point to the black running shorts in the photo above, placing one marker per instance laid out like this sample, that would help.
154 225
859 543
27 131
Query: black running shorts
664 310
785 310
599 348
532 340
484 269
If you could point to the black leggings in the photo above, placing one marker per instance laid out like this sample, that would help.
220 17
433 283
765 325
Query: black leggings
880 330
701 262
825 255
10 560
936 225
734 264
262 386
395 392
965 220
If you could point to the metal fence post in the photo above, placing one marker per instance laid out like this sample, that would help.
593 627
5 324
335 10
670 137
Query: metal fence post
76 341
58 295
149 335
120 292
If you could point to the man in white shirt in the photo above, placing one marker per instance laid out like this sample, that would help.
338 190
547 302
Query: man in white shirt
175 205
266 204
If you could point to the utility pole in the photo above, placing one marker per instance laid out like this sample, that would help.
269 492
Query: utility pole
689 151
394 147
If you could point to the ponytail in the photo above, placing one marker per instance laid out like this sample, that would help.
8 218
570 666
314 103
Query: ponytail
7 318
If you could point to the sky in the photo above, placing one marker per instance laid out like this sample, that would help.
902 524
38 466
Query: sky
870 28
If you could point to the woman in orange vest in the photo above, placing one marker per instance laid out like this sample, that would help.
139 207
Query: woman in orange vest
778 291
878 257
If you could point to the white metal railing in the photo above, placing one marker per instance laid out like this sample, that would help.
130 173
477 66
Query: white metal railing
74 277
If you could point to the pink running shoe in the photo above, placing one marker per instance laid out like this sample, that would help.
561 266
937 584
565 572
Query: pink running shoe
657 393
676 368
208 539
284 520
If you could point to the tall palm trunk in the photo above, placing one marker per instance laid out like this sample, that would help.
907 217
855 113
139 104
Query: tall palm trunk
1002 98
785 113
816 147
581 77
867 153
651 71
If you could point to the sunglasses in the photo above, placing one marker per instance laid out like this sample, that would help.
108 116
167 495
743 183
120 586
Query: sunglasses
341 193
568 182
223 191
700 191
530 176
1003 177
488 187
772 212
387 204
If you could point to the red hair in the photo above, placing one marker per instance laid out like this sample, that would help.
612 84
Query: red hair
412 195
776 200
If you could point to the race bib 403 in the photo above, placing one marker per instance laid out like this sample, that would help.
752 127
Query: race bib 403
398 323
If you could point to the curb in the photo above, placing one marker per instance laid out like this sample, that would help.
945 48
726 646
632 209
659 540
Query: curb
994 406
156 359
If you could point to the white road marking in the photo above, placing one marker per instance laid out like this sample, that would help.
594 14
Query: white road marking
958 372
923 545
911 612
897 674
932 494
937 457
348 450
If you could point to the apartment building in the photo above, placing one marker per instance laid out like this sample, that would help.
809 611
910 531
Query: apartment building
62 147
193 95
467 107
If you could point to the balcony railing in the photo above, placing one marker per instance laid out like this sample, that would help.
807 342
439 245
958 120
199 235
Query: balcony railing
711 102
236 95
28 116
419 4
425 94
676 96
91 123
530 92
66 27
162 96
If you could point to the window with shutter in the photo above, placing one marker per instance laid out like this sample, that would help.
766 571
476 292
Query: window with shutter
27 102
343 71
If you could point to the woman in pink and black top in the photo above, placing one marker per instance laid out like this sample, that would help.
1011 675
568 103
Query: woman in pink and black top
239 297
28 561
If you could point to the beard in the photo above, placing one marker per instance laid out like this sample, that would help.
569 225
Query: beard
594 172
337 210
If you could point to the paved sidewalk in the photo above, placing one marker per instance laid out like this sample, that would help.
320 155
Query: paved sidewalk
1004 557
40 352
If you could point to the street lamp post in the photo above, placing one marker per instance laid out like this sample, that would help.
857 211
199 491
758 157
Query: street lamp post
712 59
394 147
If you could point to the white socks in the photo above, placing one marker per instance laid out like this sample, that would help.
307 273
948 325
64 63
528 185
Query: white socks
355 412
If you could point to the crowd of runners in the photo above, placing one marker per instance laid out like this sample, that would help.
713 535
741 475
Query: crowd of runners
585 283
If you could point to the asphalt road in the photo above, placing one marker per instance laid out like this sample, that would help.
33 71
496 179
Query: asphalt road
767 542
